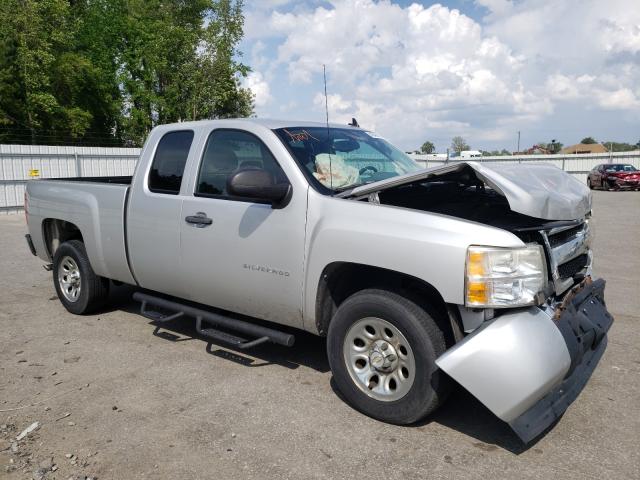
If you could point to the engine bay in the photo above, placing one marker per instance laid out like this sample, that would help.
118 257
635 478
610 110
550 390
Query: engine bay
463 195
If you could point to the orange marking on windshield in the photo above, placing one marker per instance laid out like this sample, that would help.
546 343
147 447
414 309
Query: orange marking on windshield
300 136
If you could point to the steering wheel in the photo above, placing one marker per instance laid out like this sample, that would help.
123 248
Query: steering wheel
368 167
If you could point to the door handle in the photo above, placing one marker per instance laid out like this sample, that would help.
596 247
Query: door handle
199 220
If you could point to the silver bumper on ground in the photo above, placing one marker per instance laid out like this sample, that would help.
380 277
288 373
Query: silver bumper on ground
511 363
527 366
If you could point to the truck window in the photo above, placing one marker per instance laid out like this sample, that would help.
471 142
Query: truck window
169 161
227 151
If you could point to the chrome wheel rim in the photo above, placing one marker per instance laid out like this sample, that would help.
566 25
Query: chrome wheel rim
379 359
69 279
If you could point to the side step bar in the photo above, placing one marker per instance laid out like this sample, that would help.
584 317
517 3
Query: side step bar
261 334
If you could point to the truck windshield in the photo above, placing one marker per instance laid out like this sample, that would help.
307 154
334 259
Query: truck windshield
342 158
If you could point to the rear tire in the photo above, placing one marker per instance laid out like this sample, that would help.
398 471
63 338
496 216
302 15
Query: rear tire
589 184
79 289
401 394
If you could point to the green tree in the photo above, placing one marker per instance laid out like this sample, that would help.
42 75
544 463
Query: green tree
588 141
427 147
458 144
179 63
33 34
620 146
100 71
552 147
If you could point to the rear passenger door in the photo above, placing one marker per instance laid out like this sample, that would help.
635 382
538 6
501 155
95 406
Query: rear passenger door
154 211
247 257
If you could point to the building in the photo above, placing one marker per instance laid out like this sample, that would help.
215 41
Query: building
585 148
535 150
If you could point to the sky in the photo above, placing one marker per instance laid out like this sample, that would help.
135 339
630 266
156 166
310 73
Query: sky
481 69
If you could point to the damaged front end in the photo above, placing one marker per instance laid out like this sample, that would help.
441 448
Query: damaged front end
525 364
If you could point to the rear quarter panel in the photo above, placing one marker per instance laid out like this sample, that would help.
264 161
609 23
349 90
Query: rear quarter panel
98 212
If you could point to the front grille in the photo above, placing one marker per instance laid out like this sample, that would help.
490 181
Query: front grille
569 254
572 267
564 236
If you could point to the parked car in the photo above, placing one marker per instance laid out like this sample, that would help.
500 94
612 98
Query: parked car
614 176
417 277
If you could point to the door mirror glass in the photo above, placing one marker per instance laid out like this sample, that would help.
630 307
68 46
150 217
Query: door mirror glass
258 184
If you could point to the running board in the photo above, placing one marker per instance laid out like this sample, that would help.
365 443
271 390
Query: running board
259 333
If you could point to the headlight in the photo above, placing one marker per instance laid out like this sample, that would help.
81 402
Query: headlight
504 277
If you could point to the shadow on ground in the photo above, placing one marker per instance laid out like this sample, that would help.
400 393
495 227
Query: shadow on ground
309 350
462 411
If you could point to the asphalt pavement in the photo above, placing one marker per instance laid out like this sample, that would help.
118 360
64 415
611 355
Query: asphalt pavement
116 397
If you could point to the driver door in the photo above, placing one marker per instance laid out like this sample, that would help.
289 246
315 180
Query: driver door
249 258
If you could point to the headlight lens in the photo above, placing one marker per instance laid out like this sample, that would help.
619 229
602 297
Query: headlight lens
504 277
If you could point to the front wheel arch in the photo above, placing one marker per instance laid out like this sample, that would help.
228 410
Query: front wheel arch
340 280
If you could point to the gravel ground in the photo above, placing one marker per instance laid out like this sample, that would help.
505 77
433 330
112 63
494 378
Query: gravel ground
115 397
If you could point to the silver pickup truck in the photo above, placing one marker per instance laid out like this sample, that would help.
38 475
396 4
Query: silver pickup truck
464 272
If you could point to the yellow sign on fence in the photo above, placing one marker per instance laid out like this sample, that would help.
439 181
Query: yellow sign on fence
34 173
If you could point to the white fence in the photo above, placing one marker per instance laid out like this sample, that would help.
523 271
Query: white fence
19 162
578 165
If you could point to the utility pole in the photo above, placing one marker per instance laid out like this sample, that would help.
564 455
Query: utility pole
610 151
518 150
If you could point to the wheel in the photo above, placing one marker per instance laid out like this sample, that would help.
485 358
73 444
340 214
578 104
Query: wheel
589 184
79 289
382 350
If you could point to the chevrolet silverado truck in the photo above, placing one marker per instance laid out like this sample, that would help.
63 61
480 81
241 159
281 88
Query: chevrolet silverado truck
467 272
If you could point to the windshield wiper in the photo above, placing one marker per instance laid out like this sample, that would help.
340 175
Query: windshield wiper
350 186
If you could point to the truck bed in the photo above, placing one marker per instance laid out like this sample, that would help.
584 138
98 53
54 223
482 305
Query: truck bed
96 206
121 180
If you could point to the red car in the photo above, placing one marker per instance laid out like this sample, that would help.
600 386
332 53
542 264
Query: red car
614 176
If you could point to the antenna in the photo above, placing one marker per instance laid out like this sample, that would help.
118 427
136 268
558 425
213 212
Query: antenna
326 108
326 101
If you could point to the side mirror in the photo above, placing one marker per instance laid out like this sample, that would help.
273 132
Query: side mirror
258 184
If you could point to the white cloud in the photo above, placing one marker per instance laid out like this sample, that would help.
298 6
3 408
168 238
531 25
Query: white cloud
496 7
334 102
259 87
415 70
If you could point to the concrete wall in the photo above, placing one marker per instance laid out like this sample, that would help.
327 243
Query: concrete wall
17 161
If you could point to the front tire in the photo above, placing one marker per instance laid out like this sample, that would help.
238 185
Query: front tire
79 289
382 350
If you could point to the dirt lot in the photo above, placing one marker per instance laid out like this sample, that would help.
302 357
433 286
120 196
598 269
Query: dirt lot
126 400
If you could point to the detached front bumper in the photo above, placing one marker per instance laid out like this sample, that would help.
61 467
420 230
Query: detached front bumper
529 365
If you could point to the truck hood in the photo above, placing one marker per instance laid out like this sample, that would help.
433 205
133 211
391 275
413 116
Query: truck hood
537 190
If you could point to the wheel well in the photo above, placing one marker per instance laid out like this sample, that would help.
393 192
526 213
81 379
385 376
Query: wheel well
56 232
340 280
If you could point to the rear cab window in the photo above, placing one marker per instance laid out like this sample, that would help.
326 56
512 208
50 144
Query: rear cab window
169 161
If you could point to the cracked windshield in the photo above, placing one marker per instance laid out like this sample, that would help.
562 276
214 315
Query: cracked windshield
343 158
